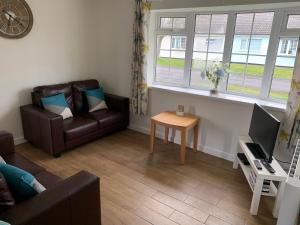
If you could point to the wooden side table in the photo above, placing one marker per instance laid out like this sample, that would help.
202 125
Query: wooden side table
182 123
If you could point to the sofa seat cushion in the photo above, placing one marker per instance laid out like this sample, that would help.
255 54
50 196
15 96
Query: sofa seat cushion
47 179
105 117
78 126
21 162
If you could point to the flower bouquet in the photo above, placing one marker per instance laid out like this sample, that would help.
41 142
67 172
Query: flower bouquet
215 72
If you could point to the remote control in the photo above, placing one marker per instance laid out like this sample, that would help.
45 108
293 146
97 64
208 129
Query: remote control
267 166
257 164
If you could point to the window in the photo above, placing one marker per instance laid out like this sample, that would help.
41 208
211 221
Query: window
209 43
178 43
247 67
288 47
260 53
171 50
172 23
170 59
244 45
284 68
284 45
293 22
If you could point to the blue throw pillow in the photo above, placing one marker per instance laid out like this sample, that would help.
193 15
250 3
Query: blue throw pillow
21 183
57 104
95 99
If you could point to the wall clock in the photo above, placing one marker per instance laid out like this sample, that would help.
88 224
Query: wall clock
15 18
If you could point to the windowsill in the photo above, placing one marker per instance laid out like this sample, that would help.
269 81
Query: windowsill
222 97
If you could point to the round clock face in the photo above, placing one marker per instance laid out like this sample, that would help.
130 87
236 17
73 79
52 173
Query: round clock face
15 18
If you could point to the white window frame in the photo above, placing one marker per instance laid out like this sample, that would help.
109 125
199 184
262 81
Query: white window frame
278 30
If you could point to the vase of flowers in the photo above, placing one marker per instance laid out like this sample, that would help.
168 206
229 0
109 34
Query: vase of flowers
215 73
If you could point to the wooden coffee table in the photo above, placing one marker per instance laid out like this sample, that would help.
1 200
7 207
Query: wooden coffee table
182 123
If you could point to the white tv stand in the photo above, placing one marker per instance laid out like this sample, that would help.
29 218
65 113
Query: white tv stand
261 175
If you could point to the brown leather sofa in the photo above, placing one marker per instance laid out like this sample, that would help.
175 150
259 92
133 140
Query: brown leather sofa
73 201
54 135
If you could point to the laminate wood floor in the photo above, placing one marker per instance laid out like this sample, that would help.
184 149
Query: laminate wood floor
137 188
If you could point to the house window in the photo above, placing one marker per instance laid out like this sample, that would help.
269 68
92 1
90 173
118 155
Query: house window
293 22
260 53
284 45
288 47
179 43
209 40
244 45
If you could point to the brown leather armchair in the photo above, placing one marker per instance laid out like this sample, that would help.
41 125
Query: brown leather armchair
49 132
73 201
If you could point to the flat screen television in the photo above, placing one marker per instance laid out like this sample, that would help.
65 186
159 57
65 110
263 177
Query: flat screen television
263 132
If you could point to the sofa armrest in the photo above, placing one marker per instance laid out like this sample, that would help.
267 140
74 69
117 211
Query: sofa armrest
117 103
42 128
6 143
74 201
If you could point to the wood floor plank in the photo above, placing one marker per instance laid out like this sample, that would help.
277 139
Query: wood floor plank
183 219
200 204
153 217
215 221
119 215
134 184
228 217
181 207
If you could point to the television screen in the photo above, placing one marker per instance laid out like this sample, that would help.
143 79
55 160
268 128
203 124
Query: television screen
263 131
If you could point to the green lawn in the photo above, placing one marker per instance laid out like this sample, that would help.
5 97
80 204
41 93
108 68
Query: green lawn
255 70
177 63
245 90
255 91
279 95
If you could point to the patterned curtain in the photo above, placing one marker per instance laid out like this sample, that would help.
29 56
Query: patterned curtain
290 127
139 96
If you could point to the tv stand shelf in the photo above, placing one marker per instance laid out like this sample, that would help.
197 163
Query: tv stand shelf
261 175
246 170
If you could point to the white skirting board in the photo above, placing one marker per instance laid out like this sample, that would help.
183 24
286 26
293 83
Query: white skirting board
19 140
206 149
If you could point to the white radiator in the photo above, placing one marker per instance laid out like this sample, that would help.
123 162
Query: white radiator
289 208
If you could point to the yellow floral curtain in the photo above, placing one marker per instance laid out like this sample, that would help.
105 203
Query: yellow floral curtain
290 126
139 96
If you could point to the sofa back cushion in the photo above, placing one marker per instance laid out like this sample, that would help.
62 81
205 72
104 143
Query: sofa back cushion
50 90
22 184
6 198
80 100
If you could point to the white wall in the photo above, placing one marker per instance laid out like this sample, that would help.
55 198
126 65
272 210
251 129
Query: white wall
59 48
115 26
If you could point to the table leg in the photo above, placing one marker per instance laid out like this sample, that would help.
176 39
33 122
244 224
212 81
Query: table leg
152 136
280 192
196 133
166 141
183 146
256 196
